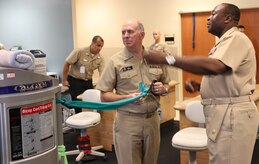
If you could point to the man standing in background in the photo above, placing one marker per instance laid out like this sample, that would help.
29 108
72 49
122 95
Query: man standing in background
79 67
157 45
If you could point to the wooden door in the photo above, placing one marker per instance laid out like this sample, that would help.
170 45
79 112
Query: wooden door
200 44
249 18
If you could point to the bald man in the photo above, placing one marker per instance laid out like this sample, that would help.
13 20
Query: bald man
136 128
157 45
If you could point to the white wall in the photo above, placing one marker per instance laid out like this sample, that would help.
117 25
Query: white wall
38 24
106 17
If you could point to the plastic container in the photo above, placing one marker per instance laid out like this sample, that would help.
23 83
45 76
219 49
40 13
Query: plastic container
40 62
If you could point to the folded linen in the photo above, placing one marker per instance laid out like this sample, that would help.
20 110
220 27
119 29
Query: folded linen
17 59
2 46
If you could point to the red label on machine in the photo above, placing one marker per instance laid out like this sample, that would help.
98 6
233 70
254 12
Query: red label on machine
10 75
36 109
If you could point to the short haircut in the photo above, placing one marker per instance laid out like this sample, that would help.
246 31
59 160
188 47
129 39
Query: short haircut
232 10
96 37
140 26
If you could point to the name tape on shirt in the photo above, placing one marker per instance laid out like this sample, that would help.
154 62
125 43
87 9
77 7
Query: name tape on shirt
124 69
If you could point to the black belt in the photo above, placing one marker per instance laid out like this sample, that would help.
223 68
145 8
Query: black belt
143 115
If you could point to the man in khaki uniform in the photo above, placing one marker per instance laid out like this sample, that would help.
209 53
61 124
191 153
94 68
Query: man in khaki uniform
157 45
228 82
79 67
136 129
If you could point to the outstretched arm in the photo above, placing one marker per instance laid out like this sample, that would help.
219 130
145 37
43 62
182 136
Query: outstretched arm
197 64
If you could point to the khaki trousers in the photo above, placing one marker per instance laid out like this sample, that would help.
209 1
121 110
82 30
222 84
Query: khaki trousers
236 137
136 138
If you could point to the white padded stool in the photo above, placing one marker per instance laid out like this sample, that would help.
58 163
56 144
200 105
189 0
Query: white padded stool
192 139
82 121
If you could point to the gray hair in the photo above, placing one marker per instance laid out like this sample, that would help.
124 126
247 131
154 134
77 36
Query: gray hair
140 26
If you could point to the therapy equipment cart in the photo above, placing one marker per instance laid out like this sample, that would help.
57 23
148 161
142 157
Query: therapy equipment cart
30 119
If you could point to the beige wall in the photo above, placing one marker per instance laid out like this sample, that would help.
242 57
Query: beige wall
105 17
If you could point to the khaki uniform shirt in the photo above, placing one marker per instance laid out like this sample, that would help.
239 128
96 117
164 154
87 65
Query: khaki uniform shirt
124 73
236 51
159 47
83 63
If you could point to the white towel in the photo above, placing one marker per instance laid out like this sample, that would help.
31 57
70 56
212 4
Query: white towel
17 59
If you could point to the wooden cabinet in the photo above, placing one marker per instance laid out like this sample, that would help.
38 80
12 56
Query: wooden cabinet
167 102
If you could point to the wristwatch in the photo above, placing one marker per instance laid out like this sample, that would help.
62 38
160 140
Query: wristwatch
166 92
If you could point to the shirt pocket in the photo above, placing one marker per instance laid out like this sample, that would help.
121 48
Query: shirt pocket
155 72
96 63
128 74
84 62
